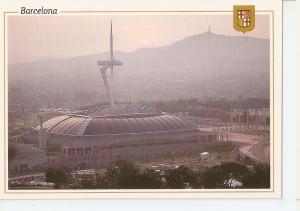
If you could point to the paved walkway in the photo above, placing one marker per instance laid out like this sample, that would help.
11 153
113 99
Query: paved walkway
257 147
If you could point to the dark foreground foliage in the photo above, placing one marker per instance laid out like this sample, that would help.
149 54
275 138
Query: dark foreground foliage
57 176
125 175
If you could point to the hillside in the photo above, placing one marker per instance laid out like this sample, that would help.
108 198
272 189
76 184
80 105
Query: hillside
199 66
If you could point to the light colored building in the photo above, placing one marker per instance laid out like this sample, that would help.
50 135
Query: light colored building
233 183
204 155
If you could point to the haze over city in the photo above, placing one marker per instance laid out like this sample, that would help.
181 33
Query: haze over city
32 38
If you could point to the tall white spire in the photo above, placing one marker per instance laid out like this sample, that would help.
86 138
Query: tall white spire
109 64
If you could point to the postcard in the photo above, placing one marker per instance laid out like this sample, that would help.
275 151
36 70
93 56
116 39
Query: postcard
142 102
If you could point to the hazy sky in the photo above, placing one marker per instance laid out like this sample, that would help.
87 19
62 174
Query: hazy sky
40 37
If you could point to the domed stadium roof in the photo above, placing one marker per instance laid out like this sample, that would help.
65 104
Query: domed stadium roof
77 125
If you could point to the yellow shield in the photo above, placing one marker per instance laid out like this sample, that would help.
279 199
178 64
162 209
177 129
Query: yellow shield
244 17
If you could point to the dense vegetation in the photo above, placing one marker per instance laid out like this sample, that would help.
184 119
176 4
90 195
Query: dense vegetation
174 106
179 105
57 176
12 152
125 175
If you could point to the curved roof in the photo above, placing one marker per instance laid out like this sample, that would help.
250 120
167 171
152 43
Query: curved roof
121 124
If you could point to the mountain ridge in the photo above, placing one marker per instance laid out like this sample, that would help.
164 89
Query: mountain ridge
200 65
142 48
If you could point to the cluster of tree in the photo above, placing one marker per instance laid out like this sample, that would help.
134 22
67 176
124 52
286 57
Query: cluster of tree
254 103
172 106
12 152
179 105
94 106
125 175
259 177
57 176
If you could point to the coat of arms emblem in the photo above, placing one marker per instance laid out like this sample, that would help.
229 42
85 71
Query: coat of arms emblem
244 17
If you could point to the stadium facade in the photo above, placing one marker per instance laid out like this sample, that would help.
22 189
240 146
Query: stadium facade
96 141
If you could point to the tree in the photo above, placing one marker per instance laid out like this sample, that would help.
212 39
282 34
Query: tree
12 152
56 176
87 184
149 179
122 174
180 178
244 117
125 175
258 178
216 175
